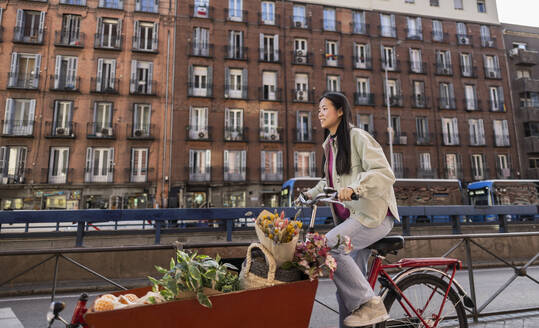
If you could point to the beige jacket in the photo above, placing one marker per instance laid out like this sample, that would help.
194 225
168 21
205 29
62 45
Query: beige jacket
371 177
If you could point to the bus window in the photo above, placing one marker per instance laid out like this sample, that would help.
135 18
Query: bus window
285 197
479 197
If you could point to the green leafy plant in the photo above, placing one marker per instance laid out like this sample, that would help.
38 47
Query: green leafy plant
193 273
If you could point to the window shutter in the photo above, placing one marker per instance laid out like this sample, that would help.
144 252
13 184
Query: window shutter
481 132
7 116
31 114
191 160
448 58
280 164
110 175
261 46
208 165
312 164
101 3
41 26
137 5
3 161
13 69
21 161
456 130
276 47
20 20
245 84
501 100
150 78
119 37
120 5
155 36
134 163
368 50
99 74
227 82
72 63
263 165
231 44
419 27
393 29
296 168
134 82
243 164
451 99
505 131
113 72
37 67
226 161
210 81
472 131
445 131
89 161
156 6
136 39
356 54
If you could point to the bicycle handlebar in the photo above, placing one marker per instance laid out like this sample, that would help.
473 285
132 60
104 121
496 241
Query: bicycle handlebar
328 196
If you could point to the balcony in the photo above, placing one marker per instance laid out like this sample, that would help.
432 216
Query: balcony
73 2
447 103
111 4
496 106
61 83
18 128
300 57
393 66
523 56
420 101
139 175
236 53
531 144
396 101
1 34
464 40
400 172
239 134
330 25
199 133
468 71
438 36
387 31
270 134
271 174
472 104
301 96
20 177
143 87
107 86
232 93
67 39
363 99
147 6
444 70
417 67
399 138
23 81
532 173
55 130
362 62
64 177
101 130
506 173
269 93
477 139
27 35
198 173
99 175
206 12
453 173
414 34
197 49
502 140
330 60
526 85
194 90
235 15
426 173
494 73
300 22
359 28
268 20
488 43
424 139
450 139
478 174
140 132
304 135
106 42
234 174
272 56
145 45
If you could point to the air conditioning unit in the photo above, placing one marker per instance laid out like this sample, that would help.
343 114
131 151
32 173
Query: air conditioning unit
274 137
202 134
490 43
138 133
491 74
464 40
445 70
299 52
299 24
299 59
106 131
513 52
61 131
403 140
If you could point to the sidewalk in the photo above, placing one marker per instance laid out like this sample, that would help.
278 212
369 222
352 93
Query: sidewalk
522 320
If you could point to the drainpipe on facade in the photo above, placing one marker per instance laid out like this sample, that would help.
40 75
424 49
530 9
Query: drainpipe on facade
172 101
285 94
163 194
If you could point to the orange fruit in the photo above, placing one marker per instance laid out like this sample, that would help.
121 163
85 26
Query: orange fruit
103 304
128 298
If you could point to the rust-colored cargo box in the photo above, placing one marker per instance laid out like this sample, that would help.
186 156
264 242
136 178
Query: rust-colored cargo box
286 305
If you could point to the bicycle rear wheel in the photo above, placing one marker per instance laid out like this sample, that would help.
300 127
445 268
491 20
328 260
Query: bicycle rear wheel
426 293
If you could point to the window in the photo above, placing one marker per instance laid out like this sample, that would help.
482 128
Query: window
200 84
269 125
458 4
269 86
394 89
152 6
304 164
437 31
330 22
141 77
65 73
533 162
420 100
235 165
271 165
299 18
398 165
198 126
447 96
415 31
235 86
478 167
24 71
58 165
201 42
106 75
366 122
300 51
409 1
102 123
303 124
360 26
29 26
362 55
235 10
333 83
235 45
523 74
109 33
268 12
19 117
139 165
450 131
492 66
301 87
501 133
531 129
146 36
70 33
141 120
269 47
12 164
477 132
466 67
496 99
434 3
486 41
332 53
199 165
416 63
363 91
387 26
502 165
422 128
114 4
389 60
425 167
481 6
462 34
99 164
471 98
234 124
452 165
62 118
396 125
520 45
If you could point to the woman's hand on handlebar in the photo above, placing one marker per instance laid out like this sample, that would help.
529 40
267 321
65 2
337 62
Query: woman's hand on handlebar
347 194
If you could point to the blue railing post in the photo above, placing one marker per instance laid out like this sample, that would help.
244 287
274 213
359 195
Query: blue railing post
229 224
80 234
502 223
157 232
455 222
405 225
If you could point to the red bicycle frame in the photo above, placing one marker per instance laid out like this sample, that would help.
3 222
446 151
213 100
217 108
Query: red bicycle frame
379 270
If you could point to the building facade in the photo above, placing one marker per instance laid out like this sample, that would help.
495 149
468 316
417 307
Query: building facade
522 43
249 75
82 92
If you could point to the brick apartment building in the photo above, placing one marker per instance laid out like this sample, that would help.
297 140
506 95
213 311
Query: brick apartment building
83 95
522 43
249 74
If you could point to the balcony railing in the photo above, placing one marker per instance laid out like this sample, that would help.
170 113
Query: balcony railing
493 73
20 177
501 140
109 86
101 130
65 177
400 172
468 71
472 104
482 173
443 69
273 56
147 6
237 53
477 139
505 173
271 174
73 2
425 139
496 106
197 49
17 128
68 39
234 173
464 39
99 175
417 67
392 66
453 173
111 4
1 34
266 94
387 31
330 25
302 96
450 139
194 90
488 43
300 22
143 88
362 62
232 93
300 57
112 42
438 36
426 173
140 131
235 15
447 103
414 34
202 133
270 134
420 101
61 83
363 99
236 134
523 56
201 12
330 60
396 101
359 28
141 44
301 135
399 138
275 20
26 34
138 175
199 173
23 81
59 130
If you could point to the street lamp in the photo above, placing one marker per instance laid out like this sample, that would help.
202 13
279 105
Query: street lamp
389 127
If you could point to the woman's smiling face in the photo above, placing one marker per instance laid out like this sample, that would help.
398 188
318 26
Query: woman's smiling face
329 116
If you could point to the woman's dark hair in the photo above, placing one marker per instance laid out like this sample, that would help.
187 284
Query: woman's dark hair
344 159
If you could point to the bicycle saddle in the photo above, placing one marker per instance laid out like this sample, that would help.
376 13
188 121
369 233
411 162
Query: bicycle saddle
388 244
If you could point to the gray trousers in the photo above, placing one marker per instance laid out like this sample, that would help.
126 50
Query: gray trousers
353 289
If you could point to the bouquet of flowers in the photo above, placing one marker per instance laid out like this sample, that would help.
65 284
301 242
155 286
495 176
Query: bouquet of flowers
313 257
